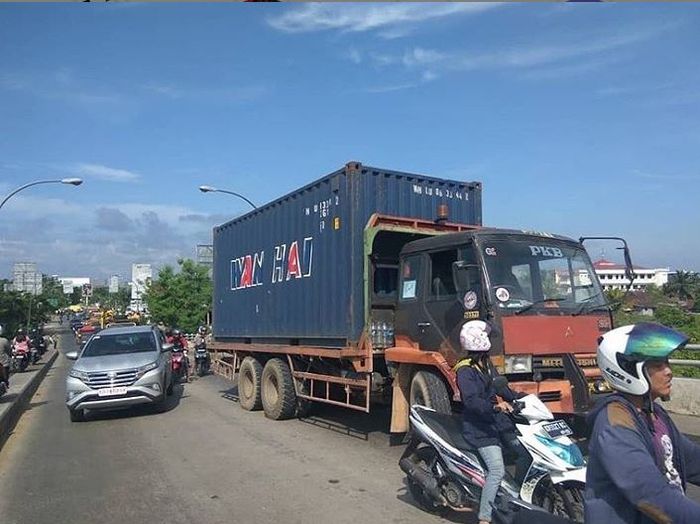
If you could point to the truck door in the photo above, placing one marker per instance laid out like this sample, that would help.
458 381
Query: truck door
442 314
409 314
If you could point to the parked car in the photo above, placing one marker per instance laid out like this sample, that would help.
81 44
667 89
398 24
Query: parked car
117 368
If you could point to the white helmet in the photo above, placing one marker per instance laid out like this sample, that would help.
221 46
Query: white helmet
474 336
623 351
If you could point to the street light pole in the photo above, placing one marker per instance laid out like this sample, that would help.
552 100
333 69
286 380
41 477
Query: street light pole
70 181
209 189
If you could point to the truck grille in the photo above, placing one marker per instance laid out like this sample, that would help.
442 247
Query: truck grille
109 379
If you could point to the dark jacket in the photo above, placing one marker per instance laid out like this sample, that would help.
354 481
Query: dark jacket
624 482
481 424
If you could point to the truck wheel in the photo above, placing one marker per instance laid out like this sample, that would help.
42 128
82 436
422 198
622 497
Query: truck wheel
249 381
428 389
279 399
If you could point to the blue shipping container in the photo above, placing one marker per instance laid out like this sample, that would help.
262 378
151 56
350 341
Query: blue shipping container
291 271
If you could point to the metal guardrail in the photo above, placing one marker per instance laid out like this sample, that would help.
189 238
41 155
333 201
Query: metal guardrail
686 362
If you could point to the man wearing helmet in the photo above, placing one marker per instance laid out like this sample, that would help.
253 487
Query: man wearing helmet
639 462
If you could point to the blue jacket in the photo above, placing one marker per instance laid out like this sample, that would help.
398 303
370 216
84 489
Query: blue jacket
481 424
624 483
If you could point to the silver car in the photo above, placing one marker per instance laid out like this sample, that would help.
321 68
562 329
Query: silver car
117 368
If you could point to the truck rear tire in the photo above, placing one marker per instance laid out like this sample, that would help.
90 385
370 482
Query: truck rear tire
279 399
428 389
249 384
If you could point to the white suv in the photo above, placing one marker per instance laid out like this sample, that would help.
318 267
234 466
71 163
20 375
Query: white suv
119 367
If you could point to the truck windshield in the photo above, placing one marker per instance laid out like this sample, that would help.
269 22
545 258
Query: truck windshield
535 274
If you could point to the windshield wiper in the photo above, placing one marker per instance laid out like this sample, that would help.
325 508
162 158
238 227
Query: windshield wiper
589 308
529 306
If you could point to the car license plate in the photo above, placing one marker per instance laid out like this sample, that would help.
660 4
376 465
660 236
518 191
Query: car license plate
110 392
558 428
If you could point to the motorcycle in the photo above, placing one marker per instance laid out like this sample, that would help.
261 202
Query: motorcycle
444 472
37 347
20 358
179 363
201 360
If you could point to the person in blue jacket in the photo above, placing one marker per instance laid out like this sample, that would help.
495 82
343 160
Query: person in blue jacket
485 425
639 463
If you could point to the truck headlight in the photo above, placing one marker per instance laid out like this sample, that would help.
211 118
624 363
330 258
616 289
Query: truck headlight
518 364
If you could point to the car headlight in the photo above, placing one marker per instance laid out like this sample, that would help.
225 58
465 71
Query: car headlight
518 364
145 369
80 375
569 453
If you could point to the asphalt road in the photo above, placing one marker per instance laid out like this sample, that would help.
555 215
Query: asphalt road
205 460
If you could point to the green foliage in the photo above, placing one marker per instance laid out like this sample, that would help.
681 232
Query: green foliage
180 299
19 309
118 301
684 285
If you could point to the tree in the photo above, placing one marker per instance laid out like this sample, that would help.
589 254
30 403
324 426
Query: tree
118 301
684 285
180 299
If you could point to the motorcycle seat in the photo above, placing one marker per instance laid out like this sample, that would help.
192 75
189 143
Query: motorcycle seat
448 427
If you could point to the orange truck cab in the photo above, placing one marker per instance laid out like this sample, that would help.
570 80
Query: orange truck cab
540 293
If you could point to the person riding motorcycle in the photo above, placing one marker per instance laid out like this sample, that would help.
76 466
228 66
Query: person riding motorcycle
5 359
37 339
177 339
21 341
485 425
639 463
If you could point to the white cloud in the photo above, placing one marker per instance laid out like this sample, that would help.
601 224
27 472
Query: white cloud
390 88
354 56
106 173
208 94
537 61
363 17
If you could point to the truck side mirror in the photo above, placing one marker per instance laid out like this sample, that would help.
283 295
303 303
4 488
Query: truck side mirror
629 267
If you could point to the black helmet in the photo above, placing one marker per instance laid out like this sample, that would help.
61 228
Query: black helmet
176 332
21 331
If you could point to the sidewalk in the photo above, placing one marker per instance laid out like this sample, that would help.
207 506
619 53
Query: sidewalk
22 388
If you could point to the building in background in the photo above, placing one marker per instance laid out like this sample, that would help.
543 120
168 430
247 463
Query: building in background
612 276
141 274
114 284
70 283
204 255
26 278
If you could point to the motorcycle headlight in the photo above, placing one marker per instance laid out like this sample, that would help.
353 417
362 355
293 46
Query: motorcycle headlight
518 364
145 369
80 375
569 453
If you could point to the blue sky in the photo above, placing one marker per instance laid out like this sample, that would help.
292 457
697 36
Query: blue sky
578 119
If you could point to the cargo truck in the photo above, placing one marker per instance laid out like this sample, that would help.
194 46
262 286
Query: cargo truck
354 288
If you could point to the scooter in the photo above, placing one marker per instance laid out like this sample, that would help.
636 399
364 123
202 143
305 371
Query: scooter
20 358
179 363
201 360
444 472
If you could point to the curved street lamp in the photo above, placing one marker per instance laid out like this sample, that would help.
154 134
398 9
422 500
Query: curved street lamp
69 181
209 189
